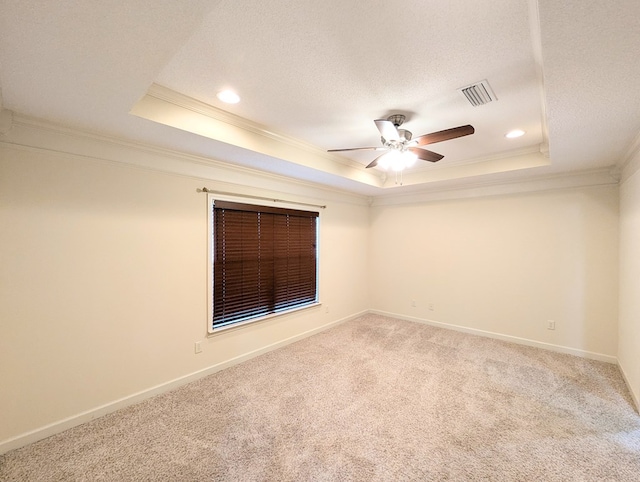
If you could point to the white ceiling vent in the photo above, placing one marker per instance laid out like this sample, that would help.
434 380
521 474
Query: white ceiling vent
479 93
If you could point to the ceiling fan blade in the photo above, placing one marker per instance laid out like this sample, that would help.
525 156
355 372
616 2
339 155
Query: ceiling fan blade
445 135
357 149
426 155
374 163
387 129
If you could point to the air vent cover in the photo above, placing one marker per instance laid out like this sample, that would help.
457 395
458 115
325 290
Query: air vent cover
479 93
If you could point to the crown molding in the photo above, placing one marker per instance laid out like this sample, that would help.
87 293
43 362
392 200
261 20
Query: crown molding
165 106
510 154
194 105
171 108
630 160
465 172
34 134
495 187
29 133
6 121
536 45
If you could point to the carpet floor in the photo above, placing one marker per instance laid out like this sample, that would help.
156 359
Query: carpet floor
373 399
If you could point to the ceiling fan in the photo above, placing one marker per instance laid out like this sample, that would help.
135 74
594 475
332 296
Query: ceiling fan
401 149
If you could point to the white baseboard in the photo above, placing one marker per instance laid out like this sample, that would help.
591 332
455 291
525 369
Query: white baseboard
499 336
83 417
634 396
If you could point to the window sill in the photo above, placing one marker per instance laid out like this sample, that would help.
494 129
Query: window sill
240 324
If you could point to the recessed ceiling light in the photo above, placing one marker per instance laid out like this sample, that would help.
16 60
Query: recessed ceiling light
228 97
514 133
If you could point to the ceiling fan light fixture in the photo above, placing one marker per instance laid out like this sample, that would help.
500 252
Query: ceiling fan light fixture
397 160
409 158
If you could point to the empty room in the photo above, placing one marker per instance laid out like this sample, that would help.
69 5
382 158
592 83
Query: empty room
290 241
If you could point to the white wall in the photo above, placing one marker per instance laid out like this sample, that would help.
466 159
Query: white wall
103 280
103 272
629 329
505 264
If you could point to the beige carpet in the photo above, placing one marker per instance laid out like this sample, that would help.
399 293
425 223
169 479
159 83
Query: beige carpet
372 399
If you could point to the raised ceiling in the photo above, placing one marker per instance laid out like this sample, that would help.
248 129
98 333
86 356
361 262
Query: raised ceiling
314 75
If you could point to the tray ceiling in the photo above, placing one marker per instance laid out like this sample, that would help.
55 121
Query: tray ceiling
313 76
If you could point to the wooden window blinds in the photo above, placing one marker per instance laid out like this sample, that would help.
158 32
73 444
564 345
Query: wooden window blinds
264 261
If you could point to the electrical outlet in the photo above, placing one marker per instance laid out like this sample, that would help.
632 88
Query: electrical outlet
551 325
198 347
431 307
326 309
413 303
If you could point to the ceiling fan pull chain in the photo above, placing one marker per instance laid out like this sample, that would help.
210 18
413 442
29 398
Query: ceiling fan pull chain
399 173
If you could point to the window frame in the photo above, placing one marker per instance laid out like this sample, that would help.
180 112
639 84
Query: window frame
211 198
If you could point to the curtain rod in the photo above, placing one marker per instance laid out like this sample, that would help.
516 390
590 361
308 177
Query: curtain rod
210 191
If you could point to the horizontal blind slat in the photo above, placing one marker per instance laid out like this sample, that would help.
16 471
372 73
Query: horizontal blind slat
264 261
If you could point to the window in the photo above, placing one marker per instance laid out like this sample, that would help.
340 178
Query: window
263 261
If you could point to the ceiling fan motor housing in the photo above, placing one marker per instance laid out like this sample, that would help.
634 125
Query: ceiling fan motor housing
396 119
404 134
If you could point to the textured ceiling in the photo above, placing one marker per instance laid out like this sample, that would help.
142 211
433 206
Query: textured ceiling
314 75
591 76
